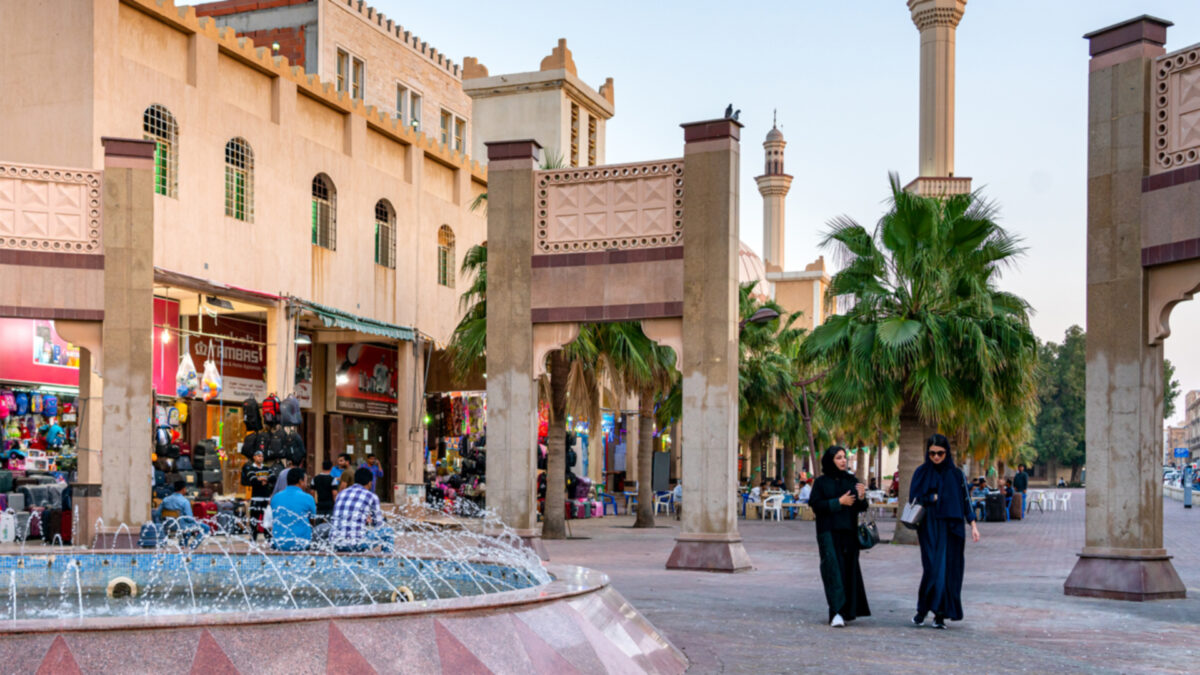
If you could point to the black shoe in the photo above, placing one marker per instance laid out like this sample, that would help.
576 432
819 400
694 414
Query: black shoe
939 623
918 619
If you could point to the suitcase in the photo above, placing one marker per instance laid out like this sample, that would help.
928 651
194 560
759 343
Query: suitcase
22 525
1014 510
36 514
205 512
6 481
16 501
67 527
994 507
152 535
51 525
211 476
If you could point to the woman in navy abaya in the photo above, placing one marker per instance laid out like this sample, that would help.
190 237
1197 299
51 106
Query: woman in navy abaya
941 488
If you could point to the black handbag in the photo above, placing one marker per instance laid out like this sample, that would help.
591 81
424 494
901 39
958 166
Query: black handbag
868 533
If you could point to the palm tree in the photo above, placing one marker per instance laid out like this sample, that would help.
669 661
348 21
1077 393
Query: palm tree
929 338
635 364
765 375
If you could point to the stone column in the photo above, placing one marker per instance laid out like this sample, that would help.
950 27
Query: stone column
281 350
708 537
937 20
128 234
1123 555
512 392
410 437
86 492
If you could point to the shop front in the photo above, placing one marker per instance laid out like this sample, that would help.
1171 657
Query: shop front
366 405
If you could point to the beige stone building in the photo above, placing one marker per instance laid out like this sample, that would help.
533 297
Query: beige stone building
311 204
1176 437
1191 424
550 105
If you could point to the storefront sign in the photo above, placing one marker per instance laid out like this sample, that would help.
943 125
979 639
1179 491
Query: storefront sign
166 351
32 352
304 375
366 379
242 362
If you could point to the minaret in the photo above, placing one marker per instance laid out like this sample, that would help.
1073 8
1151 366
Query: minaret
773 185
937 20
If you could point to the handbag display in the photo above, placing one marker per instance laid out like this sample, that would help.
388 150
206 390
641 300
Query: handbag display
912 515
868 533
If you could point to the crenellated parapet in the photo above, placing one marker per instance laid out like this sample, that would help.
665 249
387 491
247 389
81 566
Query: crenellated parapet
262 59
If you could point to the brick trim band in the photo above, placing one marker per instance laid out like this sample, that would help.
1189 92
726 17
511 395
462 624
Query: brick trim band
606 313
1175 251
610 257
1167 179
63 314
78 261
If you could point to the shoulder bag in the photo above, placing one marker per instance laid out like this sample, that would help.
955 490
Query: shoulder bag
912 515
868 533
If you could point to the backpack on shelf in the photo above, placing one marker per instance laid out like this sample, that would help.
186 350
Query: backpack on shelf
275 443
22 400
35 404
49 406
293 448
270 410
289 415
251 415
249 445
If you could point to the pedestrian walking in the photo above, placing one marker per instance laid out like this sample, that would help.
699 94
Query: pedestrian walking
836 499
1021 485
940 487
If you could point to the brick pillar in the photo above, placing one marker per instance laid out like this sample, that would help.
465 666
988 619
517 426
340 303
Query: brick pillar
512 393
709 537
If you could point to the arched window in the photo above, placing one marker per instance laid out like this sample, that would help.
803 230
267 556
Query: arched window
324 212
446 256
158 125
239 180
385 234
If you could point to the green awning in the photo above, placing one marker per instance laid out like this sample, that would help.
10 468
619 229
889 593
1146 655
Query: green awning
336 318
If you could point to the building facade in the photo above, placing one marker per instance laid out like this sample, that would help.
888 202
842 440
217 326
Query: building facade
1192 426
1176 437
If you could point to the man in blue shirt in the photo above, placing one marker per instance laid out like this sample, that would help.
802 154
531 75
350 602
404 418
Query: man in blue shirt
343 464
376 471
176 501
292 511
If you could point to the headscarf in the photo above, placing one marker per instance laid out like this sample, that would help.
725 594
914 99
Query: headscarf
828 466
942 477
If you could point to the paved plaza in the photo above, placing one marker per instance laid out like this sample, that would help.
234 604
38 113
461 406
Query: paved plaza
771 619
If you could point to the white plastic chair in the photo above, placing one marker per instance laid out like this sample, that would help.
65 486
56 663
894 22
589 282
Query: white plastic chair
773 506
1049 500
662 502
1064 498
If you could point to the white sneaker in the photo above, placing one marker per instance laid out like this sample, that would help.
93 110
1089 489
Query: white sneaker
838 621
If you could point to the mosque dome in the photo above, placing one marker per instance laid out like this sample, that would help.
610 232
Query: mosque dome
774 135
750 269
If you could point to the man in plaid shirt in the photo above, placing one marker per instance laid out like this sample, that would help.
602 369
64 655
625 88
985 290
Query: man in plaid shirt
358 522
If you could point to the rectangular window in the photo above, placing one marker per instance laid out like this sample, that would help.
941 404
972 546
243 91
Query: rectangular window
360 82
447 120
460 134
445 267
384 246
235 193
402 103
161 152
591 141
574 134
343 70
414 109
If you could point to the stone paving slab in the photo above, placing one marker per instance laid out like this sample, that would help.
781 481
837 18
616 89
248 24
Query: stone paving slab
772 619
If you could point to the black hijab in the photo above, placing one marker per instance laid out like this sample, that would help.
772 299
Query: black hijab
829 467
943 477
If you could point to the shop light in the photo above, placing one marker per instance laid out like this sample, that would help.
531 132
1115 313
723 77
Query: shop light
166 336
428 419
343 378
303 339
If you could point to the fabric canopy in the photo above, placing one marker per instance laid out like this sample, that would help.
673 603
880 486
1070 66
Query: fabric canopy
336 318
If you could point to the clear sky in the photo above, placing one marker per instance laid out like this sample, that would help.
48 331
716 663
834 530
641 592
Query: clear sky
843 77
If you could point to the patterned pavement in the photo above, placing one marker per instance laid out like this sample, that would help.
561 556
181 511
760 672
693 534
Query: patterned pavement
771 619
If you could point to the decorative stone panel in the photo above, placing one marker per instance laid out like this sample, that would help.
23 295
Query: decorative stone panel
49 209
1176 122
622 206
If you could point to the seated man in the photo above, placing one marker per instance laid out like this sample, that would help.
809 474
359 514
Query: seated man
358 522
184 524
978 496
176 501
677 499
292 510
805 492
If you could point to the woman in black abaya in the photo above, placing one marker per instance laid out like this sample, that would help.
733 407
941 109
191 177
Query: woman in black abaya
836 499
940 487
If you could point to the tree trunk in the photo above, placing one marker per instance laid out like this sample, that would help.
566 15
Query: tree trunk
789 468
863 463
913 433
553 512
645 511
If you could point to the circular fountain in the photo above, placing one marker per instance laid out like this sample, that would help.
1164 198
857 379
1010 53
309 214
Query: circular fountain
454 595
